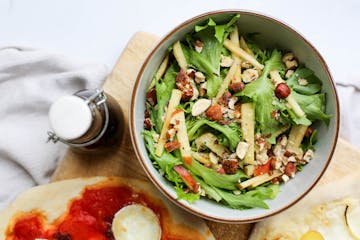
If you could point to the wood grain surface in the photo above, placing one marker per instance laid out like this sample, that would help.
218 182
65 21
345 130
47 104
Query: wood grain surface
121 160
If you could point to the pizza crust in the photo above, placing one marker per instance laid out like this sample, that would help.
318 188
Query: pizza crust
53 200
295 221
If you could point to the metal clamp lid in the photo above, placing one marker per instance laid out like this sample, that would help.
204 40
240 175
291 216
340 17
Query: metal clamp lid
99 99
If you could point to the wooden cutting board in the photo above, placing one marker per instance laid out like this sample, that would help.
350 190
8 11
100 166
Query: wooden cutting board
121 160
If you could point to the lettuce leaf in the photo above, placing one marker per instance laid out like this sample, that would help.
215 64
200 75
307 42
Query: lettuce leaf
313 106
314 83
166 162
242 201
232 131
163 94
208 60
189 197
211 177
261 92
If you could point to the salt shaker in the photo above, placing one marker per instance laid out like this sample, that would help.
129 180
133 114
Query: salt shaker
86 120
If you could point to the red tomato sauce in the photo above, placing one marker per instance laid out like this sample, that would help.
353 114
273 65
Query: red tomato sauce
89 217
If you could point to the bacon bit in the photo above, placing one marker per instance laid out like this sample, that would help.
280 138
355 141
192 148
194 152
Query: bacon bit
309 132
288 154
147 123
220 170
262 169
237 87
171 146
183 84
230 166
214 113
226 98
290 169
151 96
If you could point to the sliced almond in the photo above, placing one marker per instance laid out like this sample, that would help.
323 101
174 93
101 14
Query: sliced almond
242 149
200 106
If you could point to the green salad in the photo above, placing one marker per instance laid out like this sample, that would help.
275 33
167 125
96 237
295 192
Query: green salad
229 121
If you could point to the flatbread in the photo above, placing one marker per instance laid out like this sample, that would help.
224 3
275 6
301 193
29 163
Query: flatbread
321 211
53 201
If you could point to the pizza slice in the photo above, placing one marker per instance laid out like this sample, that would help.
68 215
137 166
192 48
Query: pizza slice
98 208
331 211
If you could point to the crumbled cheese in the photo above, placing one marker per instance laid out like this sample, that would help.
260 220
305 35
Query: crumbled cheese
202 192
291 159
199 77
302 82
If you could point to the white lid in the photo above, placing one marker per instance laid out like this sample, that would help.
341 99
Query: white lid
70 117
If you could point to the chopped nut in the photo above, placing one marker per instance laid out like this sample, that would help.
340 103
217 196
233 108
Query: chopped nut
200 106
237 87
302 82
282 90
291 64
198 46
147 123
202 90
170 134
290 169
191 73
249 75
309 154
195 90
285 178
246 65
230 166
309 132
199 77
151 96
289 73
226 61
288 57
214 113
232 102
241 149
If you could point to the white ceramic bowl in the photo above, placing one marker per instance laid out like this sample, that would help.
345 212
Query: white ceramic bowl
272 34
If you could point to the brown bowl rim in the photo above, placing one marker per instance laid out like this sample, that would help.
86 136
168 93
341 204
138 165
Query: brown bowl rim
154 179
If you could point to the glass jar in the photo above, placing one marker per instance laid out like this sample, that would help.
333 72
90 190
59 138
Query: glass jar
86 120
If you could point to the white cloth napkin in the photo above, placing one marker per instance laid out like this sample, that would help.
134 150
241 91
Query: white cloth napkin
30 80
